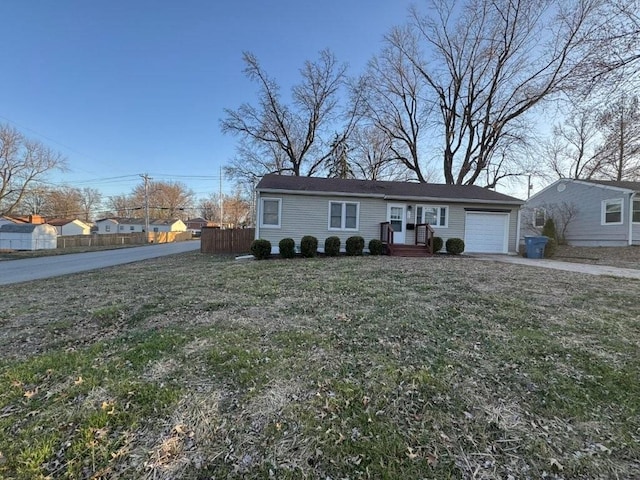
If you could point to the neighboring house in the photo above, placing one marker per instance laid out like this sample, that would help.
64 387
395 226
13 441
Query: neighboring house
4 220
196 224
70 226
137 225
28 236
291 207
594 213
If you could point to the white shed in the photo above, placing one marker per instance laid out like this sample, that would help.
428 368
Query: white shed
28 236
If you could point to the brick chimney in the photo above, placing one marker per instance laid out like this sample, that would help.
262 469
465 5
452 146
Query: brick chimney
36 219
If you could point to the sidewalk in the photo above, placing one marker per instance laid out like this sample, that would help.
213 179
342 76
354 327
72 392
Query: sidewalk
566 266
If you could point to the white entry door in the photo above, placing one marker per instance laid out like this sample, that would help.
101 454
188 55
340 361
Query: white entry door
396 216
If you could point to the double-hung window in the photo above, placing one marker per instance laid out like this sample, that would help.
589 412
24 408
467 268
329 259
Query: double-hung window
539 217
612 211
434 216
270 212
343 215
636 211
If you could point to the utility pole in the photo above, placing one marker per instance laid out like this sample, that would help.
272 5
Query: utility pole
529 186
221 201
146 179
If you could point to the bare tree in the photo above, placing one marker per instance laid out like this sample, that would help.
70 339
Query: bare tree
486 65
165 199
22 163
395 107
63 202
90 201
621 148
338 164
293 138
122 206
574 149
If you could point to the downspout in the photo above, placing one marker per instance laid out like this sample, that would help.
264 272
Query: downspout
630 239
257 197
517 247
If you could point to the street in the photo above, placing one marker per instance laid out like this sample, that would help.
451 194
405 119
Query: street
15 271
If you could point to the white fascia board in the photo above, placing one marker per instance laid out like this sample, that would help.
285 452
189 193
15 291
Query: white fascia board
452 200
319 193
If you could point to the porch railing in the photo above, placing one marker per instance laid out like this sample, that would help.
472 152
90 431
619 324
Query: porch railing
386 233
424 236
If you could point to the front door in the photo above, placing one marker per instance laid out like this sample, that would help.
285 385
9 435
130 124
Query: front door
396 216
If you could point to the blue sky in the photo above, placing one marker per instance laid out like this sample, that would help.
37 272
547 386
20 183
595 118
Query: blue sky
127 87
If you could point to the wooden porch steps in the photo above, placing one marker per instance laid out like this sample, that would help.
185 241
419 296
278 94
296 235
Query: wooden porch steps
407 250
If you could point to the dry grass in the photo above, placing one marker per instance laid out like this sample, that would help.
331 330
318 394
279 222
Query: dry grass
201 367
623 257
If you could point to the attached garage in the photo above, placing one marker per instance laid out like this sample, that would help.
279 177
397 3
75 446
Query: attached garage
486 232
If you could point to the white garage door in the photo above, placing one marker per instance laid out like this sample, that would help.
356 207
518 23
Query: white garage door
486 232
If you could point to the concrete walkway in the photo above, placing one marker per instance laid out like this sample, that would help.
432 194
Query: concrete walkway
566 266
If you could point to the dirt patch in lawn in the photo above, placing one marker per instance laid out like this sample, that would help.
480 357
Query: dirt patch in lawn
622 257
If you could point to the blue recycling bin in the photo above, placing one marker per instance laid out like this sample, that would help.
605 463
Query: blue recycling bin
535 246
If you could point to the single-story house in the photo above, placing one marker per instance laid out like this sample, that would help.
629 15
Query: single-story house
66 226
28 236
595 213
195 225
291 207
137 225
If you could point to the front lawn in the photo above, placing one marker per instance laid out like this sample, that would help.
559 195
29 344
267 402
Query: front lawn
199 367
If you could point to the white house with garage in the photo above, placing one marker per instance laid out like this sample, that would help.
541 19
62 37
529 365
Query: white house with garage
395 212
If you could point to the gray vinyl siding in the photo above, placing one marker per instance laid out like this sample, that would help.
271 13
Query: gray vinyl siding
457 217
309 215
585 228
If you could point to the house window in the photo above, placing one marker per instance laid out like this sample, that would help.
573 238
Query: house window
539 217
636 211
343 215
434 216
121 227
132 228
107 228
612 212
270 212
155 229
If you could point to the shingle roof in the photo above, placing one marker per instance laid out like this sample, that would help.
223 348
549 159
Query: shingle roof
635 186
396 190
19 228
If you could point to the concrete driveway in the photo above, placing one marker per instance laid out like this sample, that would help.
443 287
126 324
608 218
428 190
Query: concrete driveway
15 271
566 266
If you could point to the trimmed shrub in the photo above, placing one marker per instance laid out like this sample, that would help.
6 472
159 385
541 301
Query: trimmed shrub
549 231
332 246
354 245
454 246
261 248
309 246
438 243
376 247
287 248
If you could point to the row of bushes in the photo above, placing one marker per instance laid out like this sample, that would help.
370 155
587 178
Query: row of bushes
261 248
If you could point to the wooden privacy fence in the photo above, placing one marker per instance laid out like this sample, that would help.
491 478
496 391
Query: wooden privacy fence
237 240
107 240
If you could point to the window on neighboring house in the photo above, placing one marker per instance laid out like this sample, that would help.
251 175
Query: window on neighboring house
612 212
132 228
107 228
270 212
121 227
636 211
539 217
434 216
155 229
343 215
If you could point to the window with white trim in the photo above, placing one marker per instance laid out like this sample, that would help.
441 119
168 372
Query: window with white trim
636 211
270 210
539 217
612 211
343 215
107 228
434 216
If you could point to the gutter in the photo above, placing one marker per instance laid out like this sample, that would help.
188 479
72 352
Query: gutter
396 198
630 237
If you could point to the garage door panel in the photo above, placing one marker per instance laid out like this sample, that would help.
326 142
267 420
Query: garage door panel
486 232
